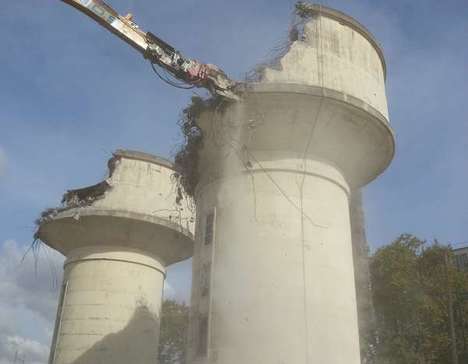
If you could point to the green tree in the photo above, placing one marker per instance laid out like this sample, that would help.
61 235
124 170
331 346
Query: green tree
174 330
411 283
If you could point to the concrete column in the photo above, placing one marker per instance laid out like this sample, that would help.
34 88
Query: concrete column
273 275
113 294
282 283
118 237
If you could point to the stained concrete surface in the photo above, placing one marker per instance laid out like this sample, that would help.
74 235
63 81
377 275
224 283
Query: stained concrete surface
118 236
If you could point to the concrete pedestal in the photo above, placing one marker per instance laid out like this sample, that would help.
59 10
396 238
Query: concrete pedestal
282 284
110 306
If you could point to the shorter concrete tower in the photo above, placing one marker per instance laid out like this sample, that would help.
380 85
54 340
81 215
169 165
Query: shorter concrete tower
118 237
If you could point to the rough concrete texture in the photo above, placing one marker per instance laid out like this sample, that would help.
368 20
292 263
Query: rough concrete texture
118 240
335 52
273 275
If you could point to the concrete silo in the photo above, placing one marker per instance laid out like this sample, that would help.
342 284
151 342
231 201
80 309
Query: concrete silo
118 237
273 277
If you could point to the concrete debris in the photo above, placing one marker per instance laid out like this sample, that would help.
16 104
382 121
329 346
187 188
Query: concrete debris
117 248
306 10
81 197
85 196
186 159
303 13
46 215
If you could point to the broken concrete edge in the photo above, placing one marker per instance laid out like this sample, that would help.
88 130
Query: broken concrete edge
306 10
50 214
351 101
80 197
255 74
70 201
85 197
77 212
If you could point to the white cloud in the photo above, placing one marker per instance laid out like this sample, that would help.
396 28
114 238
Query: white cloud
20 349
28 300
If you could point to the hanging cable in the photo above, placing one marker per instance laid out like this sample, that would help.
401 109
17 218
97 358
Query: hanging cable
169 82
320 76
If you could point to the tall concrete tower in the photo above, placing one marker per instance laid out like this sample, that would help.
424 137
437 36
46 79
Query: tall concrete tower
273 277
118 237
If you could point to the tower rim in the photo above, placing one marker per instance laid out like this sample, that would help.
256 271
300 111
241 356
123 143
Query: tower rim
379 122
77 220
354 24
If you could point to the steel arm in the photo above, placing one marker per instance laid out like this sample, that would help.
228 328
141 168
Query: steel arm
156 50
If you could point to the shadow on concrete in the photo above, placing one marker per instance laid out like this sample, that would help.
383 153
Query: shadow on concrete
137 343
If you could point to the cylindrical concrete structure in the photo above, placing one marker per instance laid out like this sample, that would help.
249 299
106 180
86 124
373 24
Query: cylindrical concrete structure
118 237
273 277
112 295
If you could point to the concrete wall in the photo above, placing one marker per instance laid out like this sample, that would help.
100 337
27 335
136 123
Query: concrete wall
461 258
273 275
118 237
338 55
281 287
110 307
147 186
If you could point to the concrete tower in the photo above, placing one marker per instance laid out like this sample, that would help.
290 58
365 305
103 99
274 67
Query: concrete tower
273 277
118 237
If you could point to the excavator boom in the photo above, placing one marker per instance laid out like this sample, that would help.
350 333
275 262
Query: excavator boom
157 51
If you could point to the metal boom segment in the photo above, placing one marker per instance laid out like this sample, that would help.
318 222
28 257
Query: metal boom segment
156 50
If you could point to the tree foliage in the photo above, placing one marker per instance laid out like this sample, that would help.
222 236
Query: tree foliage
411 283
174 330
410 288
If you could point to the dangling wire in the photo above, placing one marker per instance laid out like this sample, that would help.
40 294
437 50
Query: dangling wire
170 82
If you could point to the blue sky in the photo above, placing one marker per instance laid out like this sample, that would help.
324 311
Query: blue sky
71 93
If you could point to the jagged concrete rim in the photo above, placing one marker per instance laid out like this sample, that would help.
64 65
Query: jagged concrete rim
317 91
185 237
352 23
